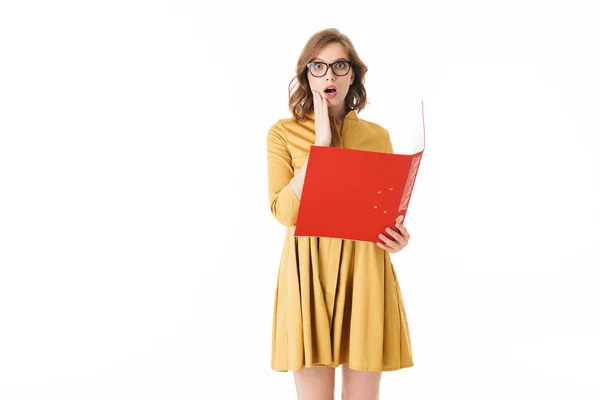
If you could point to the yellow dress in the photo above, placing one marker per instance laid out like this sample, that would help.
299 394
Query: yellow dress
337 301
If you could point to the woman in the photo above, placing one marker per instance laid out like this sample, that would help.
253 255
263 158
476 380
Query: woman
337 302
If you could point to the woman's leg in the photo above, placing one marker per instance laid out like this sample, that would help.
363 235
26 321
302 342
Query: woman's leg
315 383
360 385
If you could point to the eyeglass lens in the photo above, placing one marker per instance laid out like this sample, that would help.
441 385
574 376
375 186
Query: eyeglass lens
339 68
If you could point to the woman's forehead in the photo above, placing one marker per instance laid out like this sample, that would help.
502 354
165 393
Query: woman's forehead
331 53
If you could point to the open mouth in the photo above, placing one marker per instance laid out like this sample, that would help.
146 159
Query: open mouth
330 90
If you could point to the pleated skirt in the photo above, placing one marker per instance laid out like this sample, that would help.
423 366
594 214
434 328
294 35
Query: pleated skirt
338 302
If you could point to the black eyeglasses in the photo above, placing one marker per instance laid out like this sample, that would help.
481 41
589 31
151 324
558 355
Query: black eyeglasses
319 69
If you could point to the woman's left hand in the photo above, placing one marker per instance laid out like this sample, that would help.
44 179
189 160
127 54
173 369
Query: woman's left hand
399 239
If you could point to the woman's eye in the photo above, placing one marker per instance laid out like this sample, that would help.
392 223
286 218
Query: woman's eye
340 65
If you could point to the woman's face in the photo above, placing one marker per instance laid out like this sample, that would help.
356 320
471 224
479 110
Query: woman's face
332 53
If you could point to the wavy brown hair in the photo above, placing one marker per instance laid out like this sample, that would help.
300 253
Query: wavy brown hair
301 101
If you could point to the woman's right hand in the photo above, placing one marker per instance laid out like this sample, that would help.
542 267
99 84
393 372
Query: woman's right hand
322 127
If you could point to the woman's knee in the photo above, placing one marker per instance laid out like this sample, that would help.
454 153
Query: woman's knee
360 385
315 383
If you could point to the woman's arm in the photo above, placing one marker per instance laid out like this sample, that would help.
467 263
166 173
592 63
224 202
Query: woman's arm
284 188
389 146
297 181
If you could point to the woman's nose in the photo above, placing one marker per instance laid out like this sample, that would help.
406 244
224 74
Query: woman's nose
330 74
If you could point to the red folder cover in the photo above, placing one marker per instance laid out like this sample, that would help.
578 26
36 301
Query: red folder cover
355 194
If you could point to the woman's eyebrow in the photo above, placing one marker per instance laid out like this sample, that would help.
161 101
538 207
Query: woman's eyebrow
339 59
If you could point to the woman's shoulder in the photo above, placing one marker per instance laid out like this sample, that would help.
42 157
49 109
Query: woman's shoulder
372 127
290 124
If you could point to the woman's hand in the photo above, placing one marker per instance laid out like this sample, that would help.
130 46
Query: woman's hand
399 239
322 127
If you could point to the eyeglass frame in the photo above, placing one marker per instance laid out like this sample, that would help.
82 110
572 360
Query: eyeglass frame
350 65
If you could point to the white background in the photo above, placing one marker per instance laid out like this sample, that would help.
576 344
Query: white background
138 256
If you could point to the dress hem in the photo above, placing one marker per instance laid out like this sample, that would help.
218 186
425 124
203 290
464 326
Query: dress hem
334 365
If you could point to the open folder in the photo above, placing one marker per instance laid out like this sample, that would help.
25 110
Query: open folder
355 194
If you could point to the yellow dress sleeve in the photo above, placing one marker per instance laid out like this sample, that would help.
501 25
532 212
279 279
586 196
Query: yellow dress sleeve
389 147
283 199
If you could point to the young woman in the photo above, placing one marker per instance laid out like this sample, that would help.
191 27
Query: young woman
337 302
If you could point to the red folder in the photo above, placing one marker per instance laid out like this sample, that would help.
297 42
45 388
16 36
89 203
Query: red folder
355 194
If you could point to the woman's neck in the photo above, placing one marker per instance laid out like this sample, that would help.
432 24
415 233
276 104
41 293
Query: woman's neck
338 114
